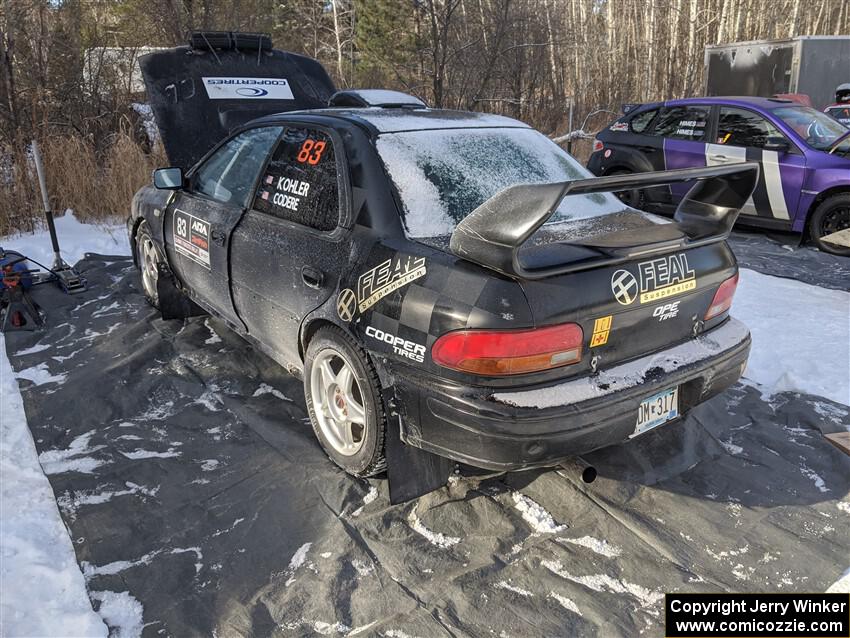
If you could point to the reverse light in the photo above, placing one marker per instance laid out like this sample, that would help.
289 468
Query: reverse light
506 352
722 298
598 145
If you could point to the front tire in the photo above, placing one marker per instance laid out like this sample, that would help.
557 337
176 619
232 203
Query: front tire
831 216
344 402
148 258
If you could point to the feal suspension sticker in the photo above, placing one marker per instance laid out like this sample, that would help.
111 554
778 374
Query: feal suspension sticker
192 237
378 282
656 279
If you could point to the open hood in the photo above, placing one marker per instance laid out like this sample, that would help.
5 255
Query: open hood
199 93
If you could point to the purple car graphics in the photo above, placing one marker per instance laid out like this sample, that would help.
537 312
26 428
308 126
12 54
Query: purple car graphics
803 154
780 182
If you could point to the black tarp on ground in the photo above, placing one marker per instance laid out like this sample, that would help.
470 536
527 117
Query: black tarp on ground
188 475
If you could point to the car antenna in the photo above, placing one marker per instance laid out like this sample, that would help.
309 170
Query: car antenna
65 276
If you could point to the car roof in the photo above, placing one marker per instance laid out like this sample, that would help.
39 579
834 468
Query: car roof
763 103
394 120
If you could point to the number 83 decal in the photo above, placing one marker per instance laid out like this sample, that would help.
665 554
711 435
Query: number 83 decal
311 151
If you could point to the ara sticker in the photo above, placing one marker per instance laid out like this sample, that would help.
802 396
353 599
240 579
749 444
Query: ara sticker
377 283
601 330
619 126
192 237
657 279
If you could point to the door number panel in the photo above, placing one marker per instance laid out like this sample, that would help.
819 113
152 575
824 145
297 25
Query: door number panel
192 237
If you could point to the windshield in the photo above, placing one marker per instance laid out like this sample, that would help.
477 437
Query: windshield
443 175
818 129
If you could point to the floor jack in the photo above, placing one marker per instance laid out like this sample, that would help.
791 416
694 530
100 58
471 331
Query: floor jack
17 310
61 272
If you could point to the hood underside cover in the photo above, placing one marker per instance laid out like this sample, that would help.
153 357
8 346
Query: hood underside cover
199 96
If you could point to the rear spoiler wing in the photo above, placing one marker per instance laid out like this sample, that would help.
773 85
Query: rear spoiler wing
493 233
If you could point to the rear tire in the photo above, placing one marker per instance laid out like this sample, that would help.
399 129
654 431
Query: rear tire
831 215
148 258
635 197
344 402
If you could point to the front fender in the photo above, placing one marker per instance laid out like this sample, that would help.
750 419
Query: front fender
149 205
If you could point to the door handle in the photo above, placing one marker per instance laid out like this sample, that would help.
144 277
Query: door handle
312 277
647 149
218 237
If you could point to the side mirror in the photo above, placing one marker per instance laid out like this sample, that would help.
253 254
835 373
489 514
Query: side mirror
778 144
170 178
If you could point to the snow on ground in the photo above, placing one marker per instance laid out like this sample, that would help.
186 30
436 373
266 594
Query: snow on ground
75 239
801 335
44 593
437 539
842 585
535 515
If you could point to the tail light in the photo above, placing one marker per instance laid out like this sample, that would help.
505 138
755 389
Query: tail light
506 352
722 298
598 145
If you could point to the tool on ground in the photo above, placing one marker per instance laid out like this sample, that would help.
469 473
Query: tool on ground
65 275
17 310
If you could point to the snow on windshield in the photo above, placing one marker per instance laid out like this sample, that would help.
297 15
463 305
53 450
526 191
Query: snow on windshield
443 175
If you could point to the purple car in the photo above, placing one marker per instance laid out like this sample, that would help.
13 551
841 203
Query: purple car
804 156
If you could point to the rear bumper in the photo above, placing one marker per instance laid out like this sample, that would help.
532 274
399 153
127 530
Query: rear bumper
543 426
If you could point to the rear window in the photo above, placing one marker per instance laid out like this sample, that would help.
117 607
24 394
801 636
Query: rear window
640 122
683 123
443 175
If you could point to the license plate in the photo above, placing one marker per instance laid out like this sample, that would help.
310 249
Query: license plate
657 409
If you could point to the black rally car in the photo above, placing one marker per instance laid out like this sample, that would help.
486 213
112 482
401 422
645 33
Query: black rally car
451 285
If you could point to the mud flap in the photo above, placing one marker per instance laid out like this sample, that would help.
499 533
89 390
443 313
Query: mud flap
412 472
173 303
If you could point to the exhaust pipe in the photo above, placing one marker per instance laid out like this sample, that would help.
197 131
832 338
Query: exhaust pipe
578 466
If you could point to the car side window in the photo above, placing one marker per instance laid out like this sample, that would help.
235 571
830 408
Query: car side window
640 122
229 174
683 123
300 183
740 127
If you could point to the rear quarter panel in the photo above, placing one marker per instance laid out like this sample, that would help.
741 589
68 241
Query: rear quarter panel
405 295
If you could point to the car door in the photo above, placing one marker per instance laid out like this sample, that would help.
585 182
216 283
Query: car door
292 244
742 135
684 129
631 147
201 218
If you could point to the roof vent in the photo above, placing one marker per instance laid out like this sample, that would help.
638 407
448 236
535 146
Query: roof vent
360 98
226 40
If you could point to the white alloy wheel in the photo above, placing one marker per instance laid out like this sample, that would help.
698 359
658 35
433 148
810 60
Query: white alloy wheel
338 402
149 259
